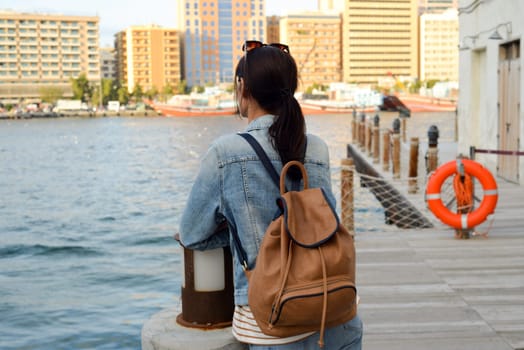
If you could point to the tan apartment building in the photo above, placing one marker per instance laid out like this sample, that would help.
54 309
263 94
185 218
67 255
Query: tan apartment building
273 29
315 43
39 51
213 32
380 39
439 40
148 56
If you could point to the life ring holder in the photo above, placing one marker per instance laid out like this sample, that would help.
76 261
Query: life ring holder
467 220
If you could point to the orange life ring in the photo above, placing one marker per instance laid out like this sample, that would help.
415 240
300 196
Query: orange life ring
467 220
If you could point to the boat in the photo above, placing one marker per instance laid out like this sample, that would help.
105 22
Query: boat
168 110
212 102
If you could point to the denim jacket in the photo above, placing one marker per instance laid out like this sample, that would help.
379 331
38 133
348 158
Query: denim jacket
233 185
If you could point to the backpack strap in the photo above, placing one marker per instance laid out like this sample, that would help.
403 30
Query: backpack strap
276 179
263 157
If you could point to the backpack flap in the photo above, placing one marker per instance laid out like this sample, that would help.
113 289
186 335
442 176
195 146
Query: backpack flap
309 218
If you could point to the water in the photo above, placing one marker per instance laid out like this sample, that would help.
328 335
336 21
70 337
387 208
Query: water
88 209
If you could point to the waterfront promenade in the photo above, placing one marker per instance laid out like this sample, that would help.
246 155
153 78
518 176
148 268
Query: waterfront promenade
424 289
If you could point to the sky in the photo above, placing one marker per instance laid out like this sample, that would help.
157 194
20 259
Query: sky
116 15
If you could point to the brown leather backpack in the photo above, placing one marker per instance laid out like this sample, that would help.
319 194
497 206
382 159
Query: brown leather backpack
304 278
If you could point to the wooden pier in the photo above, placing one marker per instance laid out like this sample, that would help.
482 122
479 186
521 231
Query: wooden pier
422 288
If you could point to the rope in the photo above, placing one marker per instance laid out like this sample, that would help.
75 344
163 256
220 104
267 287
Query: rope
463 187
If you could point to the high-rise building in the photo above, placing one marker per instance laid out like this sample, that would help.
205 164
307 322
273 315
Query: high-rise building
436 6
273 29
331 5
380 39
213 32
107 63
314 41
148 56
39 51
439 39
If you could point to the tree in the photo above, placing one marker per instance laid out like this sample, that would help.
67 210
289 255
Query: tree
151 93
123 95
138 92
50 94
81 88
181 87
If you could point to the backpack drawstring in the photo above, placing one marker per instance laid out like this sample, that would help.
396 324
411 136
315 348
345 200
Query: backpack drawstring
324 305
276 303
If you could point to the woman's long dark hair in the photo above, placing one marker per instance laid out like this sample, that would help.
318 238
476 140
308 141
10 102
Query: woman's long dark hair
271 77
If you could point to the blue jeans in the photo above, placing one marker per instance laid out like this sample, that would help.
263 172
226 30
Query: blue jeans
347 336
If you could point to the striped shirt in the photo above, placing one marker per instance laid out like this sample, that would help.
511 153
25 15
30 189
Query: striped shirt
246 330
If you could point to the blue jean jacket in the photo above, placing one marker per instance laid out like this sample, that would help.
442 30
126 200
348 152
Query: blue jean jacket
233 185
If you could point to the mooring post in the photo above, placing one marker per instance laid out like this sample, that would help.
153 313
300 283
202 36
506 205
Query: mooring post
207 296
413 165
432 155
347 194
376 138
396 148
386 139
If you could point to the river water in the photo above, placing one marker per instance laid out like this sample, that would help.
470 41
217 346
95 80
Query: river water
88 209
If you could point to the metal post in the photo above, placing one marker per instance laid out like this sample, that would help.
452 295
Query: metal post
432 155
347 194
413 165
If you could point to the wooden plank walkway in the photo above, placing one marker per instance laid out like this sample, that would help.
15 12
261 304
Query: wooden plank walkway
424 289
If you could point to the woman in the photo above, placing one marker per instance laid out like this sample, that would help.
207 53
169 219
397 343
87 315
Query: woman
233 186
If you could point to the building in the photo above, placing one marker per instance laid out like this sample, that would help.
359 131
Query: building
213 34
273 29
148 56
439 46
379 39
107 63
490 80
331 6
315 43
44 51
436 6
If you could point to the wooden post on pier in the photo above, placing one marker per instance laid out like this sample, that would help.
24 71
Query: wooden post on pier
354 128
362 131
369 138
376 139
386 139
396 149
413 165
346 193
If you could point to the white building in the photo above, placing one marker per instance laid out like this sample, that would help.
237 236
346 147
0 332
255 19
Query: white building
490 79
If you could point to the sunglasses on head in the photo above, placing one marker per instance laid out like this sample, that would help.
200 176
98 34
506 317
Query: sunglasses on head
254 44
